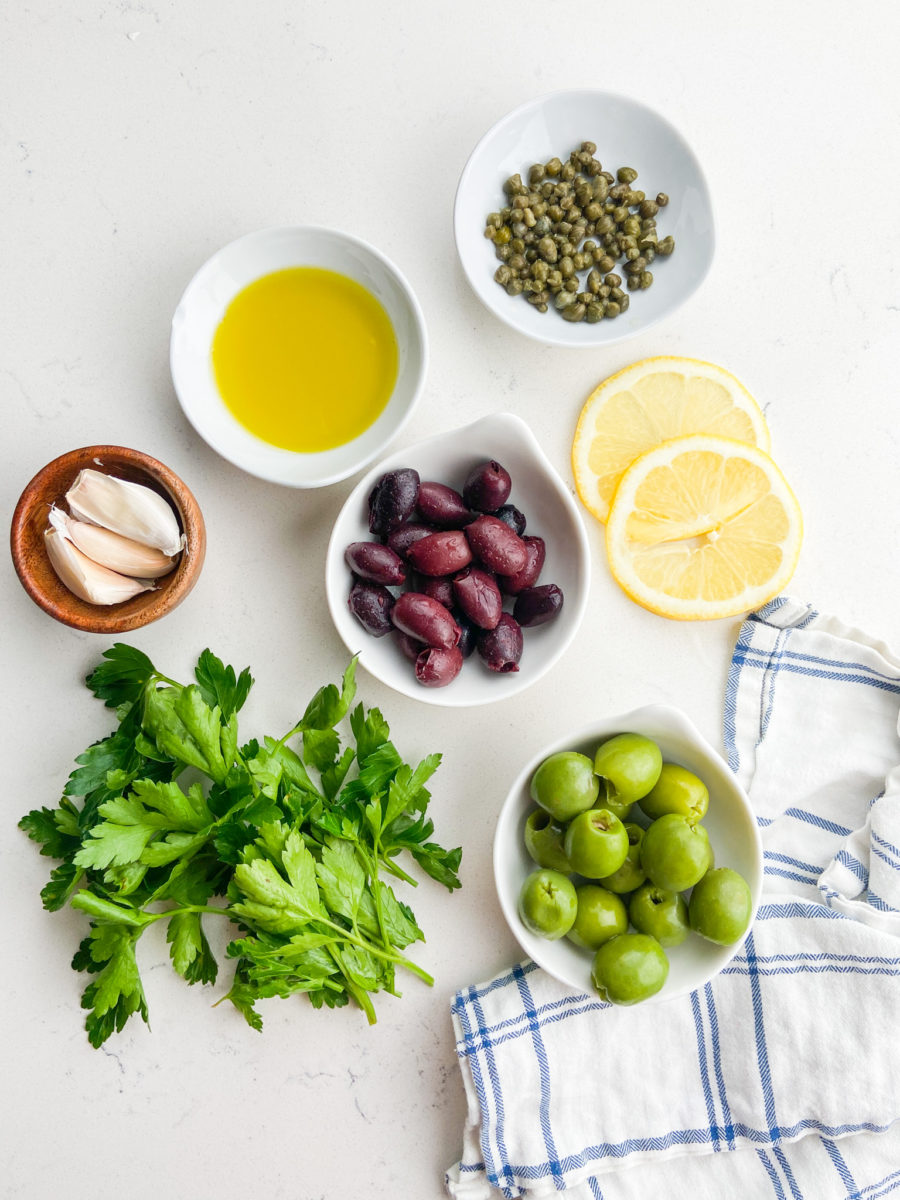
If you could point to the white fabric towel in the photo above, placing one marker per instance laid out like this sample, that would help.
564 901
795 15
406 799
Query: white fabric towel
782 1076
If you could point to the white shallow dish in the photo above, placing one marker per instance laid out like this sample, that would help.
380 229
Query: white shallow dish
551 513
626 134
201 310
730 823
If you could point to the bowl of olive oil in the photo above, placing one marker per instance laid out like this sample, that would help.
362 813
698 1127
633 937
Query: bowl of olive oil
298 354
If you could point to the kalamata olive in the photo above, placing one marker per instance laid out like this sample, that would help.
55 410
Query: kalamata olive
425 619
495 544
436 667
442 553
501 648
478 596
443 506
375 562
468 633
371 604
408 646
487 487
535 551
404 536
438 587
535 605
513 517
393 500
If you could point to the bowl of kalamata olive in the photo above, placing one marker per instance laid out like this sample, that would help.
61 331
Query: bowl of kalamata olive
458 568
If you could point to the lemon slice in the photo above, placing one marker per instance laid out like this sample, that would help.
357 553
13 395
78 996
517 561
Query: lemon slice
650 402
703 527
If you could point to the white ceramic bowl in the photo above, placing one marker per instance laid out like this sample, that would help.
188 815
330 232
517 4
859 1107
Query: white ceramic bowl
730 823
626 134
203 305
541 495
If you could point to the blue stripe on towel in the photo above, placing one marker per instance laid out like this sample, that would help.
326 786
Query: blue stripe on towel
762 1056
704 1070
839 1164
544 1069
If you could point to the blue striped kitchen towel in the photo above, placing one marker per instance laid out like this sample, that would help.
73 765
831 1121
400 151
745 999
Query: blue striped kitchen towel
781 1077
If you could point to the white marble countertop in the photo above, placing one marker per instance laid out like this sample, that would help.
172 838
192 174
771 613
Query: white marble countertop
137 137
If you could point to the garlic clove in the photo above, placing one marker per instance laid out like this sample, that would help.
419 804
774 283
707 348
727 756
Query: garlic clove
87 579
109 549
127 508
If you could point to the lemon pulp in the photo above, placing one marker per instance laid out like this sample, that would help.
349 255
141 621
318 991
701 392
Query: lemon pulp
305 358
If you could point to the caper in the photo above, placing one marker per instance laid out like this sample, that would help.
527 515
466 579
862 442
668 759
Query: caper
593 168
624 302
620 214
517 261
537 173
662 199
515 287
502 236
538 298
631 225
616 293
564 299
594 280
606 263
594 313
631 254
503 253
618 192
632 199
540 271
503 274
612 280
612 308
666 246
649 208
574 312
554 280
553 167
514 186
566 265
600 188
519 229
547 249
567 172
517 245
646 279
626 174
589 147
649 254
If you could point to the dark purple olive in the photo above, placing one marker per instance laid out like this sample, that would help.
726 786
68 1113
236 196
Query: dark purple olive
375 562
487 487
495 544
501 648
408 646
442 505
393 500
535 605
468 633
478 596
438 587
437 668
371 604
513 517
404 536
535 551
442 553
426 620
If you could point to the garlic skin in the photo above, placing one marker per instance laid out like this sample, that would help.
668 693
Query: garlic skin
126 508
111 550
87 579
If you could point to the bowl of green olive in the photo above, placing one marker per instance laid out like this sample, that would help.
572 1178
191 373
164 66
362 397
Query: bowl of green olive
582 218
627 858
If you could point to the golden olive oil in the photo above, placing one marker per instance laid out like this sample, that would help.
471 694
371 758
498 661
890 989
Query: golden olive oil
305 358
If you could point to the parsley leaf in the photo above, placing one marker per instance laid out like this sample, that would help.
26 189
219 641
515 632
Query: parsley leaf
219 686
122 677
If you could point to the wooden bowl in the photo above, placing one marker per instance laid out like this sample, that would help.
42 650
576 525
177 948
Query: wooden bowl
41 582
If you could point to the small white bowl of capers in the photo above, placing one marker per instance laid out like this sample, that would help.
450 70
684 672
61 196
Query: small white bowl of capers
582 218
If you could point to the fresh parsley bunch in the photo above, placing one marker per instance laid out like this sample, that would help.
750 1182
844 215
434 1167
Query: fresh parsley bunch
292 843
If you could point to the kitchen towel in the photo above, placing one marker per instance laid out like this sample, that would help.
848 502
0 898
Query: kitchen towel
781 1077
